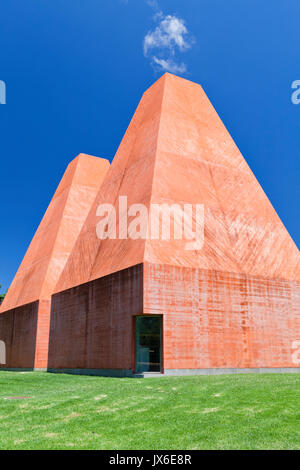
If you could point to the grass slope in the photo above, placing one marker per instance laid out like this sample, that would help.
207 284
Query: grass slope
216 412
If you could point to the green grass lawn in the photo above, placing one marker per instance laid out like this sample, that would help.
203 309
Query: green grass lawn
217 412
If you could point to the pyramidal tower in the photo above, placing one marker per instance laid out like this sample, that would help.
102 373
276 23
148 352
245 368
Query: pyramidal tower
233 304
176 150
25 311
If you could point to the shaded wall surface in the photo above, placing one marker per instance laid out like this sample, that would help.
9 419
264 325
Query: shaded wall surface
91 325
18 331
215 319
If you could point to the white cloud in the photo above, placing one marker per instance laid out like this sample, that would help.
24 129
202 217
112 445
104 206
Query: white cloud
161 44
153 4
170 32
169 65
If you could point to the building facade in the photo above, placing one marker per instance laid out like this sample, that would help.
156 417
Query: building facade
133 305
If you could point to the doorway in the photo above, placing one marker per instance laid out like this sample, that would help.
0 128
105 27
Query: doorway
148 339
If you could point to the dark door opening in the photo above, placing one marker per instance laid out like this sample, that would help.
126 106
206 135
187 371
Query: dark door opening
148 343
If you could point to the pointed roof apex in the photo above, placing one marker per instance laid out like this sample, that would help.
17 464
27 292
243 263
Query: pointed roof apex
84 157
168 78
84 169
57 232
81 156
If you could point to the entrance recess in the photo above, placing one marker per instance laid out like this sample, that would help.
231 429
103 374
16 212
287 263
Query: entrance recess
148 343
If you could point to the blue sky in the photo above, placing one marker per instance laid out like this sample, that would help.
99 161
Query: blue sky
75 71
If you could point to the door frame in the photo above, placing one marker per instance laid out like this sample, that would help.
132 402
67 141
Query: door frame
133 341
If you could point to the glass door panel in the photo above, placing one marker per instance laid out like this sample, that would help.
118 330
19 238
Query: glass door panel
148 343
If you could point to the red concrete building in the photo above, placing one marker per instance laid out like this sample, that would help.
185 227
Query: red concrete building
25 311
129 305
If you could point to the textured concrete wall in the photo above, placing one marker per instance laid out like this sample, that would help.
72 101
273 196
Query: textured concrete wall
211 319
223 320
91 325
18 330
42 335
